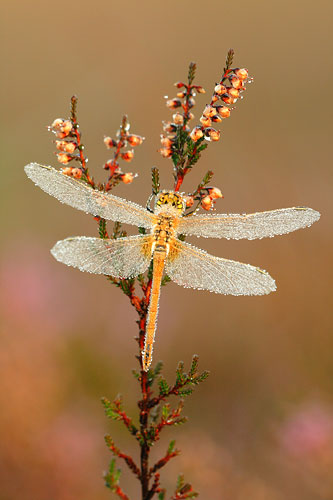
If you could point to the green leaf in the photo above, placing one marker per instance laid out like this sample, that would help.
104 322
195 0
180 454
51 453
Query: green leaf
163 387
110 409
155 176
166 279
165 411
180 481
102 229
171 447
194 365
191 72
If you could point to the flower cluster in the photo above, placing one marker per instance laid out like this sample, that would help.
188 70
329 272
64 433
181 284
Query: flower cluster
183 146
68 145
183 102
123 140
228 90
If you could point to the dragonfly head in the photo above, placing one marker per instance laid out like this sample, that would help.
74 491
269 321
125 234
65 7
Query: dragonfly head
170 199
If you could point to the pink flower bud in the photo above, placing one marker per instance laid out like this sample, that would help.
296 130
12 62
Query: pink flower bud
215 98
190 116
200 89
165 152
212 134
220 89
179 85
166 142
128 155
169 127
58 123
205 121
207 203
242 73
228 99
234 93
174 103
76 173
67 171
191 102
223 111
215 193
196 134
67 127
181 94
189 200
68 147
135 140
127 178
235 82
209 111
109 143
216 118
178 118
64 158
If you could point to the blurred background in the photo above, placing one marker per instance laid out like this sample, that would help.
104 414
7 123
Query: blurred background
261 427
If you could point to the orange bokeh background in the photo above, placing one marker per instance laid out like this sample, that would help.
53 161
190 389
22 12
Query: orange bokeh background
261 427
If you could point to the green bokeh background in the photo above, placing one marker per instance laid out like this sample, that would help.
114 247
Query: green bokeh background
262 426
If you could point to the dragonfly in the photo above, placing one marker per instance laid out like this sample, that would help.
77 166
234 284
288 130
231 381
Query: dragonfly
185 264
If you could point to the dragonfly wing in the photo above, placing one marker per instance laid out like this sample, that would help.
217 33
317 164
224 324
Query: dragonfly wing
191 267
79 195
121 258
249 226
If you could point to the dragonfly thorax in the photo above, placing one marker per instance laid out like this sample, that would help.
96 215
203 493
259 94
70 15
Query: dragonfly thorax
171 200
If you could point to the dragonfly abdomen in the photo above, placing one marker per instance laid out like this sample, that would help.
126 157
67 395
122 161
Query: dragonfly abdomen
159 256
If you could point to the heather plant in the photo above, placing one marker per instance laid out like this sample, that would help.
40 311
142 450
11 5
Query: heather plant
183 144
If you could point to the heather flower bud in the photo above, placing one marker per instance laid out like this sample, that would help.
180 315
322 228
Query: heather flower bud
165 152
209 111
135 140
196 134
166 142
223 111
191 102
189 200
235 82
200 89
127 178
242 73
219 89
207 203
67 171
57 124
182 94
109 143
169 127
179 85
212 134
190 116
228 99
76 173
215 98
66 127
128 155
215 193
174 103
64 158
233 92
68 147
205 121
216 118
178 118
